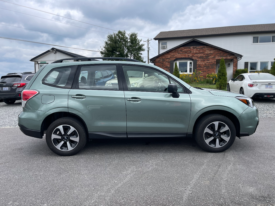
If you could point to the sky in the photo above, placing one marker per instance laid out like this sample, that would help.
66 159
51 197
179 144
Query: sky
145 17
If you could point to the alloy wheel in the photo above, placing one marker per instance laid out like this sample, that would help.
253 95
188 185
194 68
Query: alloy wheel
65 138
217 134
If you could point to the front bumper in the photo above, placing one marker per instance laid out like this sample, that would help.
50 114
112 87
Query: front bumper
264 95
249 121
31 133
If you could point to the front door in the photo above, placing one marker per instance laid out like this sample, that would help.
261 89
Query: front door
98 98
151 110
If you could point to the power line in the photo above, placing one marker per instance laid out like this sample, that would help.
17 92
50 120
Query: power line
61 16
35 42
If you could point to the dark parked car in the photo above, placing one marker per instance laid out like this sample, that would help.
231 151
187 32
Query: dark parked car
12 84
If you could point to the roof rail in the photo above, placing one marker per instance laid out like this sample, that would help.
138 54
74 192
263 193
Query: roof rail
95 59
11 73
27 73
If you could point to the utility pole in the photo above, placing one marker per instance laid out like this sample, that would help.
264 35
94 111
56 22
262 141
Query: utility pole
148 49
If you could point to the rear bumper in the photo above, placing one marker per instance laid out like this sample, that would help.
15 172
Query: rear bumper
15 95
31 133
264 95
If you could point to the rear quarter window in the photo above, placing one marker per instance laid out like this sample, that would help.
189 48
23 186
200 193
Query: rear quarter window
59 77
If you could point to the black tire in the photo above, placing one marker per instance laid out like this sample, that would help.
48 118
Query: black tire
241 91
81 133
228 88
9 101
204 122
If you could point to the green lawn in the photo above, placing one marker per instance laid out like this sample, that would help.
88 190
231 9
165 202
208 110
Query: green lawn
208 86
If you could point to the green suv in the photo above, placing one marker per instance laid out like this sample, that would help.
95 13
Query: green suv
72 102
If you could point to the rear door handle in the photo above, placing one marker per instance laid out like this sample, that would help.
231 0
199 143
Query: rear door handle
134 99
79 96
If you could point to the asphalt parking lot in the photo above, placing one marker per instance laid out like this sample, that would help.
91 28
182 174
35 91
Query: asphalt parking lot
138 172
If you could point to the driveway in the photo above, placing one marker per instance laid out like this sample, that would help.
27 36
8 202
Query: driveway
139 172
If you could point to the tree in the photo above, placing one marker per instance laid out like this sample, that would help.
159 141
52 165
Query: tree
272 71
122 45
176 70
222 76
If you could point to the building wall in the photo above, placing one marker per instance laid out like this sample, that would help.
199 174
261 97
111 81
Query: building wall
49 58
242 44
205 56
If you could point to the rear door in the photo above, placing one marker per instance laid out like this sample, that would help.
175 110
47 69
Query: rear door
98 98
151 110
6 85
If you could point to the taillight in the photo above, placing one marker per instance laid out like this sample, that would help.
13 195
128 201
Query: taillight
18 85
27 95
252 85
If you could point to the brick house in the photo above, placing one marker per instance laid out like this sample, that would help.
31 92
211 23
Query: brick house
195 55
246 46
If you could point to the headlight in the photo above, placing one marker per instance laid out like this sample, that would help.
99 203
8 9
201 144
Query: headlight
247 101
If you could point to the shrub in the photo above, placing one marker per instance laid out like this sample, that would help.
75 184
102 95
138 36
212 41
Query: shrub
176 71
222 76
265 71
272 71
240 71
211 78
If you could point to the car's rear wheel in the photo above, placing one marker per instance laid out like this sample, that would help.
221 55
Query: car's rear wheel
9 101
241 91
215 133
66 136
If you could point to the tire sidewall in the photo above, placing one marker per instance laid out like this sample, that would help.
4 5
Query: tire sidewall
74 123
205 121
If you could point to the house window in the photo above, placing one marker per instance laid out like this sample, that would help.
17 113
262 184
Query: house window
263 39
263 65
163 45
253 66
185 67
255 39
272 64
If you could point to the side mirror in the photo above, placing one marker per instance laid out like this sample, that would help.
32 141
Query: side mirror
173 89
233 79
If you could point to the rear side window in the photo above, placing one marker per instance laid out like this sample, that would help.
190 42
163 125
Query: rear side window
10 79
28 78
98 77
59 77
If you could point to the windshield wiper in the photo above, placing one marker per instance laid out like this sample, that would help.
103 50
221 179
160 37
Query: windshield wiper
198 88
3 82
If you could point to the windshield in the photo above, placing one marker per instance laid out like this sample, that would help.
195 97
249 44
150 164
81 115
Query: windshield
10 79
262 77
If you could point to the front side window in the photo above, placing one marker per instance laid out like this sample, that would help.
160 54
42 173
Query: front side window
180 88
59 77
240 78
185 67
98 77
253 66
263 65
145 79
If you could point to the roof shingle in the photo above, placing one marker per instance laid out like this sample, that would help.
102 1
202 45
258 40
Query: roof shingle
216 31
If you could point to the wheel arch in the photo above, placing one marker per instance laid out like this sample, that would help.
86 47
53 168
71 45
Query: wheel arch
227 114
57 115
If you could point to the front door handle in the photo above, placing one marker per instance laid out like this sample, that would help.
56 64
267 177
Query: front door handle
79 96
134 99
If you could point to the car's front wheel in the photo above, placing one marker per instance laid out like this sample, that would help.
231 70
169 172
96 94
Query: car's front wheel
215 133
66 136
